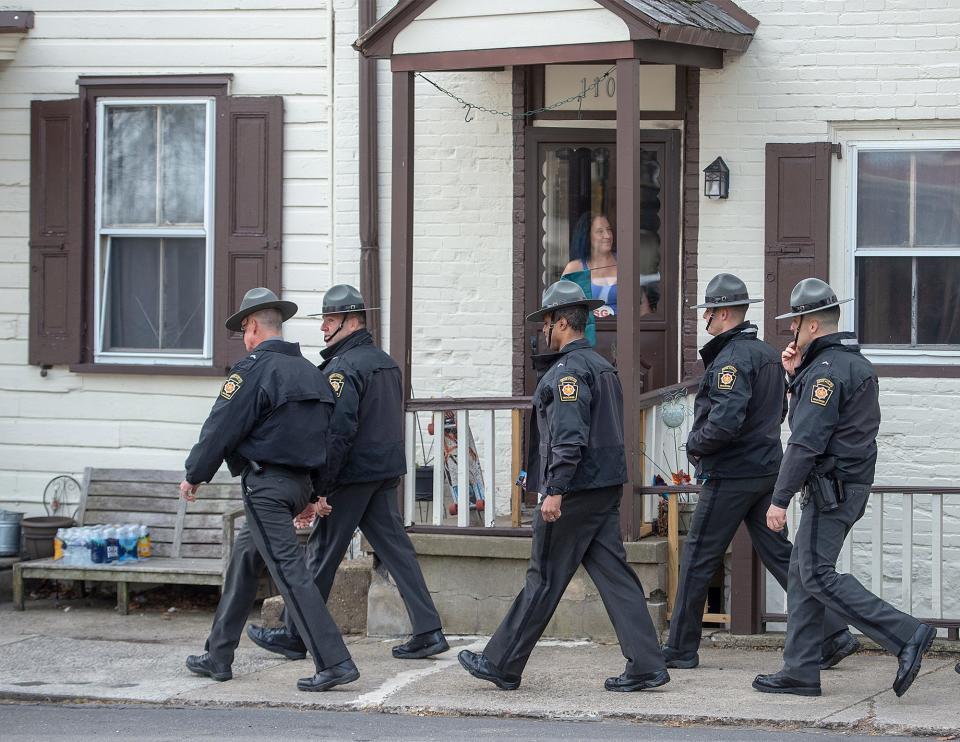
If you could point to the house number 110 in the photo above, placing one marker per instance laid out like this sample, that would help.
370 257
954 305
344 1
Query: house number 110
610 87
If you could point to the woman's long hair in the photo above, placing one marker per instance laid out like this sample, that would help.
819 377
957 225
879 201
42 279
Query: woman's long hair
580 239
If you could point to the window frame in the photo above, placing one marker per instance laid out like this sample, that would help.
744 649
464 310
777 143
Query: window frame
906 360
102 236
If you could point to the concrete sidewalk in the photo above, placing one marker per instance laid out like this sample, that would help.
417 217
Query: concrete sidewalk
92 653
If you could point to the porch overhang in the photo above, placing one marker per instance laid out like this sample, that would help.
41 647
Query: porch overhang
426 35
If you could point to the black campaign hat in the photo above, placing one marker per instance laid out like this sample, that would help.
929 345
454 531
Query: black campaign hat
343 299
811 295
561 295
254 301
725 290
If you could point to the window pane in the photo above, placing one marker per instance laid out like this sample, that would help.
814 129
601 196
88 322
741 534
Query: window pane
130 166
883 199
184 268
883 300
938 301
938 198
155 298
182 166
133 296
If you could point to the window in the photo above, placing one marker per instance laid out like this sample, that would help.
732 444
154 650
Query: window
154 236
906 250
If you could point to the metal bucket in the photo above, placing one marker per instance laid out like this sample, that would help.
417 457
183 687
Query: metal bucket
9 533
38 535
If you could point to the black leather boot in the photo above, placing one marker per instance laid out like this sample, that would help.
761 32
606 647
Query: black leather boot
277 641
203 664
420 646
345 672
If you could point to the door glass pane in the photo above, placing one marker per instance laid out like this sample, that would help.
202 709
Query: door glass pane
154 299
883 199
938 198
938 301
130 166
883 300
182 130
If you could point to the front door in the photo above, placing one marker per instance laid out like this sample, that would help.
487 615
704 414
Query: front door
572 207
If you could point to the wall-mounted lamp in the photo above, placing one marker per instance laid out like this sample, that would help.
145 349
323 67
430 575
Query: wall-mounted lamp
716 179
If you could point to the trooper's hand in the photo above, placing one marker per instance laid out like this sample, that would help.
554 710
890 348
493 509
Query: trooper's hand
188 491
322 508
790 358
550 508
776 518
306 517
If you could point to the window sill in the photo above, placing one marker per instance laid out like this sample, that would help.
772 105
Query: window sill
155 370
917 371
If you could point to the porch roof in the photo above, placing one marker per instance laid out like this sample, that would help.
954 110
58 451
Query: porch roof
714 24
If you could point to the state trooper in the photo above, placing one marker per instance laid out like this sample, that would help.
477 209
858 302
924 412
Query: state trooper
832 456
365 458
735 444
269 423
580 470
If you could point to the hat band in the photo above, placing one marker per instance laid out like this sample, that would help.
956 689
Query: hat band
814 305
731 297
343 308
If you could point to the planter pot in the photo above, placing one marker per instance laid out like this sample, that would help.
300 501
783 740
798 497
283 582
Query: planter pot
9 533
38 535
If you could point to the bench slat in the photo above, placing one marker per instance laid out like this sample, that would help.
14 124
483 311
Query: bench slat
105 504
162 491
100 517
148 475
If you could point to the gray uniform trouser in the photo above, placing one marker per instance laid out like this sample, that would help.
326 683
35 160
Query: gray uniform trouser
587 533
372 507
271 499
723 505
815 585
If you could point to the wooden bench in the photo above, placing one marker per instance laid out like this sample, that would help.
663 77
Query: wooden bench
191 542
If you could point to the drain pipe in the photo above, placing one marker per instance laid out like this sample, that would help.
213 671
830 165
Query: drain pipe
331 140
369 158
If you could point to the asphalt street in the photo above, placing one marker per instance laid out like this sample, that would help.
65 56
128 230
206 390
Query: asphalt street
145 723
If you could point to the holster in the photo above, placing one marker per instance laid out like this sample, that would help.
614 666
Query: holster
825 491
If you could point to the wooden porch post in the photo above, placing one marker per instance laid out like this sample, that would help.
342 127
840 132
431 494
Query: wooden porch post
628 280
401 226
746 586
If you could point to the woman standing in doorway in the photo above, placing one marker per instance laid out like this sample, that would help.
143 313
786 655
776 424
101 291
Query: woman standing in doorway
592 251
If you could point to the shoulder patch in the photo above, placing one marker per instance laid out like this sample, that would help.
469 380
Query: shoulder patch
727 378
230 386
569 388
821 392
336 382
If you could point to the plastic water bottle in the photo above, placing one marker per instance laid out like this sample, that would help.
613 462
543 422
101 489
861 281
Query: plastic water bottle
113 544
129 535
98 546
143 543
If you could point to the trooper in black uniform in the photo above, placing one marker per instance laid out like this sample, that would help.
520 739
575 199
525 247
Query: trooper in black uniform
579 410
832 456
365 458
272 411
735 444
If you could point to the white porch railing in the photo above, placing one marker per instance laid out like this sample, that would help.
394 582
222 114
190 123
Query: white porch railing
453 423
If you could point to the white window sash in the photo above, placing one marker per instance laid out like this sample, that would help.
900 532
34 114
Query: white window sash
901 354
158 358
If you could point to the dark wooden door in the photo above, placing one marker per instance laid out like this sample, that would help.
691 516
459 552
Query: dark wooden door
574 178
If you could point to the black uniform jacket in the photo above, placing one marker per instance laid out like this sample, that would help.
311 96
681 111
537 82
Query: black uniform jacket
579 409
741 402
365 443
834 416
274 408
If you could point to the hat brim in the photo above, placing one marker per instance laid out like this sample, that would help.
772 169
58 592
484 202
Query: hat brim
590 304
811 311
718 304
346 311
287 310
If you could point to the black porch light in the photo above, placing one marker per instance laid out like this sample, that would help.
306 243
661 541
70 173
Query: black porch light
716 179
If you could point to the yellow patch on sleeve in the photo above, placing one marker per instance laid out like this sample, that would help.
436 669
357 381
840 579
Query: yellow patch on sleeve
821 392
727 378
569 387
230 386
336 382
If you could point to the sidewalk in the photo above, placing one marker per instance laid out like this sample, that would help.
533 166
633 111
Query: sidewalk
94 654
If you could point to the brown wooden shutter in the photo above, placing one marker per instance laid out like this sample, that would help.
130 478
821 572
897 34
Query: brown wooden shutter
797 233
249 209
56 232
